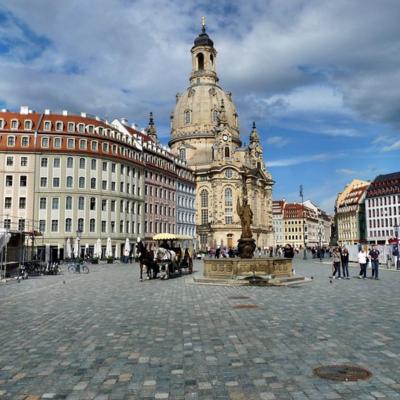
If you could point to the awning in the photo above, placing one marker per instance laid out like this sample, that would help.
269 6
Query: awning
171 236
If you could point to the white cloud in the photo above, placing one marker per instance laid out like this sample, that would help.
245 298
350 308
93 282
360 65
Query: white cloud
288 162
277 141
346 171
393 147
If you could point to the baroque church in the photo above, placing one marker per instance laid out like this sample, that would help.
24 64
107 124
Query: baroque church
205 132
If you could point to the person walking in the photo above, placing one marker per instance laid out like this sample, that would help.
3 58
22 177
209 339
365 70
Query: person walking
345 263
336 263
374 254
363 261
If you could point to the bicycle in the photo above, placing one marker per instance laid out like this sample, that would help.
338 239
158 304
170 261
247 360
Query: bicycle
78 268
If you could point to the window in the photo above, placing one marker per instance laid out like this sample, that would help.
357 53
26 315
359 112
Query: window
25 141
81 182
92 225
71 143
68 225
10 161
43 162
2 123
57 142
103 205
200 61
59 126
45 142
112 205
113 186
204 206
81 128
68 203
121 186
24 161
9 180
7 202
69 181
103 226
93 163
54 225
42 225
81 203
22 180
92 203
80 224
215 115
70 162
21 224
43 181
47 125
93 183
227 152
82 144
22 203
56 163
14 124
11 141
56 182
82 163
182 154
104 166
71 127
228 206
55 203
105 147
42 203
94 146
104 185
112 226
113 167
7 223
121 226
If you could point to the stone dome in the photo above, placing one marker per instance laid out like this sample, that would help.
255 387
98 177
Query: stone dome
197 110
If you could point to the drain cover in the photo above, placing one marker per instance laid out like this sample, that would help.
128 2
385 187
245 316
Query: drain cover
238 298
342 372
245 306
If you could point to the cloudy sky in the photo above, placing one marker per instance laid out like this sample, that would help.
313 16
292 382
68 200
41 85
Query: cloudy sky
320 78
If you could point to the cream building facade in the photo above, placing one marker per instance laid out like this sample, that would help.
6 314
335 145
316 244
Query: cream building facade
205 132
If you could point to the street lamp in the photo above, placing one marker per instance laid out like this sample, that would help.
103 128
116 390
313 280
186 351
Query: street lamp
320 242
78 238
304 231
396 233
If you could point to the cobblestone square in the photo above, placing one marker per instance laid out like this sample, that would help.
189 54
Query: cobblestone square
106 335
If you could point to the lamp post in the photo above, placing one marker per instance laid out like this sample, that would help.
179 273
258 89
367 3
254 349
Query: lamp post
396 233
304 232
320 243
78 247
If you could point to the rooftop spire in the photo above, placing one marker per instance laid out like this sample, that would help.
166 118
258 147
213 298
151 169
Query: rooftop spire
203 23
151 129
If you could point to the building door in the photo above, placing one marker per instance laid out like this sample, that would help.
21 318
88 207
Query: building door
230 240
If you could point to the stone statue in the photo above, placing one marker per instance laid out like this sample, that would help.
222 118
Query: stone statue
246 218
246 243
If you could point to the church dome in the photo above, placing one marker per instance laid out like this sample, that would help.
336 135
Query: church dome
203 39
197 111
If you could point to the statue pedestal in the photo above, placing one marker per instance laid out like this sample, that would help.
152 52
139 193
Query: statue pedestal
246 247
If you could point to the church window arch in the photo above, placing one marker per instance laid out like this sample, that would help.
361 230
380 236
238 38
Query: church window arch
200 61
212 59
228 195
204 206
188 117
227 152
182 154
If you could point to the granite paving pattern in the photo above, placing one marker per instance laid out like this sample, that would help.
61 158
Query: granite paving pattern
106 335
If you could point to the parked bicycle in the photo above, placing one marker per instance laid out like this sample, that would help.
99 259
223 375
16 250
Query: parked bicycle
78 268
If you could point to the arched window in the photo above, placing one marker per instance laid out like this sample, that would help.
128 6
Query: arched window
68 203
93 183
212 59
228 206
92 225
182 154
81 163
227 152
81 182
188 117
200 61
204 206
68 225
80 224
69 181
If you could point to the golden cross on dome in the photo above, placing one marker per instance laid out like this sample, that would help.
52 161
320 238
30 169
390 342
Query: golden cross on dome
203 22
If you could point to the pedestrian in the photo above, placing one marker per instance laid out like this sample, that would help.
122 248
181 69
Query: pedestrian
374 254
218 252
336 263
363 261
345 263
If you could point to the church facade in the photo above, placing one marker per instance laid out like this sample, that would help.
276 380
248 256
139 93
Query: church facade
205 133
